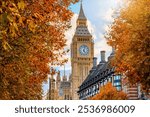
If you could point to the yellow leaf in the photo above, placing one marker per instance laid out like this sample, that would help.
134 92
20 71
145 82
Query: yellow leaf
32 26
14 8
21 5
0 10
9 18
6 45
21 21
15 26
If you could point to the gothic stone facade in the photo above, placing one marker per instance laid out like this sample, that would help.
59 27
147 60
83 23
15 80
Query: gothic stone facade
82 52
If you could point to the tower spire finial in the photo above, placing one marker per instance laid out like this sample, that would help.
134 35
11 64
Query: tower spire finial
64 77
81 4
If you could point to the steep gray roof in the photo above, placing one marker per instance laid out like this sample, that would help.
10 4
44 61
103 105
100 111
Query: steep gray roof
81 14
99 68
82 31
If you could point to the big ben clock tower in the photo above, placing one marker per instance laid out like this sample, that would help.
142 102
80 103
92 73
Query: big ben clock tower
82 53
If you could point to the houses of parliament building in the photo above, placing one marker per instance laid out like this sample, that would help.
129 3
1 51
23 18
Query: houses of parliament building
86 75
82 53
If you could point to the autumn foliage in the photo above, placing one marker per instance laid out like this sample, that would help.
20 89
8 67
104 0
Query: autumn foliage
108 92
31 40
130 36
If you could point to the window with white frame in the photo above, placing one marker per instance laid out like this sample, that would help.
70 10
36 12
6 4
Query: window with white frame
117 77
117 83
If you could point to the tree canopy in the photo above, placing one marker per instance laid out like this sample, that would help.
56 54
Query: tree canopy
31 40
130 36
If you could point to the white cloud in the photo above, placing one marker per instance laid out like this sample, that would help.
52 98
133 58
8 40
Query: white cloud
108 15
106 28
100 17
119 2
91 29
100 45
69 34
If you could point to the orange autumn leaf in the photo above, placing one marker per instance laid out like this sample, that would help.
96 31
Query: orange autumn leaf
31 39
108 92
130 36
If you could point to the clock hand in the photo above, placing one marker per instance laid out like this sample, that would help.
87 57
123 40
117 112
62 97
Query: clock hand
83 50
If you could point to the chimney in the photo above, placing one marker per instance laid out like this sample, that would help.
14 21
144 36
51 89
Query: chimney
112 54
103 56
94 62
94 65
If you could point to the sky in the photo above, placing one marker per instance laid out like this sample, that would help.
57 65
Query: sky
99 14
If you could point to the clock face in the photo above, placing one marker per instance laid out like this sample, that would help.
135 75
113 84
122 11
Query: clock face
84 50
